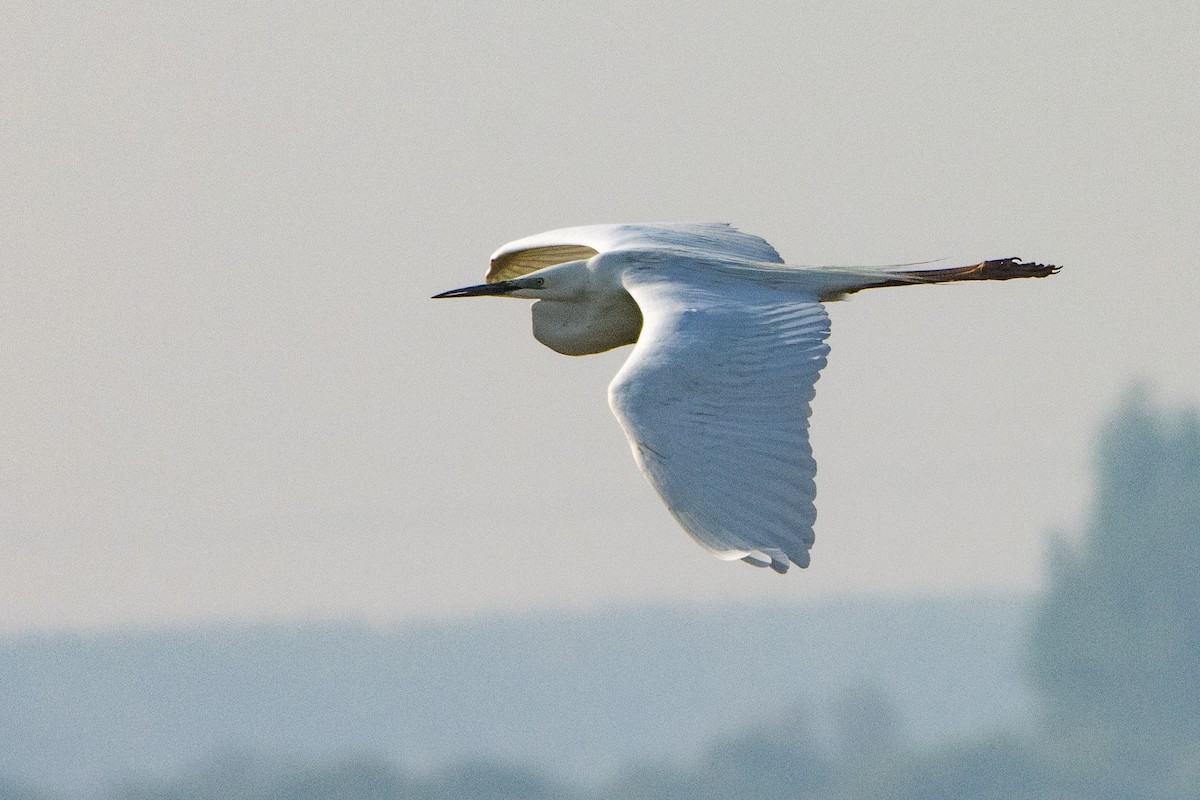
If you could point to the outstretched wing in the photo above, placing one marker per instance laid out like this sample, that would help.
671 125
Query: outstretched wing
572 244
715 402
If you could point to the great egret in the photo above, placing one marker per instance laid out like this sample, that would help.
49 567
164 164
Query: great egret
729 342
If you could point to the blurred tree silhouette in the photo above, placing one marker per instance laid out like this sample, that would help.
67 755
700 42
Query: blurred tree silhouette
488 780
1001 767
1115 645
10 790
775 758
866 724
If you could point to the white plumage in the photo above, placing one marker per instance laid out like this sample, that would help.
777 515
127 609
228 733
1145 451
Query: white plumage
729 344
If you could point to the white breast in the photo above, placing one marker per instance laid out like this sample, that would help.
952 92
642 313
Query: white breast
583 328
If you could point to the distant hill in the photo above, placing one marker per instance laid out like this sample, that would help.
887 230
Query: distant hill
576 694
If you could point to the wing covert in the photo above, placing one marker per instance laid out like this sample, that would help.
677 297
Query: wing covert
715 402
541 250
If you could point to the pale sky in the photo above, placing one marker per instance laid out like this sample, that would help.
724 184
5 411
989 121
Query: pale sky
228 397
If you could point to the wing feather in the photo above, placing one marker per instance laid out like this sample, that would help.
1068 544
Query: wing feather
715 400
542 250
506 266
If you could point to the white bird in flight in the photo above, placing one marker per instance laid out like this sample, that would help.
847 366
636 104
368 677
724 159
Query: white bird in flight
728 344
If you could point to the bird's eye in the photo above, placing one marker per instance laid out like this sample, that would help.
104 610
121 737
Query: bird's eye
539 283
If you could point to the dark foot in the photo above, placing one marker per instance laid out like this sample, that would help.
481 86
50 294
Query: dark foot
1005 268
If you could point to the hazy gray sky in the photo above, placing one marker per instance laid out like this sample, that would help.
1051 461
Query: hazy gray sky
228 396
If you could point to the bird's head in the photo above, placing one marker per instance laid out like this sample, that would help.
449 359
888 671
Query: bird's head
559 282
529 286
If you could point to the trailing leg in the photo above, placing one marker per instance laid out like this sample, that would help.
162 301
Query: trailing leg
1002 269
